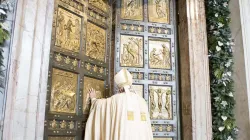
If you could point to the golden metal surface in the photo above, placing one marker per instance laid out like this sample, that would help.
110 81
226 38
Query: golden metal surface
53 124
100 4
63 92
132 9
158 11
138 89
130 115
63 124
96 42
61 138
160 102
131 51
159 56
58 57
97 85
68 30
71 125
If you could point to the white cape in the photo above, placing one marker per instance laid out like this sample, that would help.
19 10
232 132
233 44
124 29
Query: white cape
123 116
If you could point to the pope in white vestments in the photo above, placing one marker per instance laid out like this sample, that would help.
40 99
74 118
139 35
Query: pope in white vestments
123 116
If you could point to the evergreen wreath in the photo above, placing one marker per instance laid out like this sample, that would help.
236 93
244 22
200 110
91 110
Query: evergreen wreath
220 52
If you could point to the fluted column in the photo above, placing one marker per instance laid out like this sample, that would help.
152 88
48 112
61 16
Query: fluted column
194 71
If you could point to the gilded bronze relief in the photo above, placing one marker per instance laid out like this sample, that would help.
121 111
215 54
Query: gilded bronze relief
132 9
100 4
159 54
97 85
158 11
138 89
63 92
163 138
68 30
131 51
96 44
160 102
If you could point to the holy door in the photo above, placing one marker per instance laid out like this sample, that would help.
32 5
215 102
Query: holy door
145 43
79 60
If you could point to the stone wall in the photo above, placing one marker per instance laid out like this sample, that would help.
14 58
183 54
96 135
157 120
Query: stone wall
239 76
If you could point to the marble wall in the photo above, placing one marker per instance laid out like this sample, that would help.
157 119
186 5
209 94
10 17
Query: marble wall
239 76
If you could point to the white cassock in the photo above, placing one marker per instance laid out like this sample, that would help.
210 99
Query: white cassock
123 116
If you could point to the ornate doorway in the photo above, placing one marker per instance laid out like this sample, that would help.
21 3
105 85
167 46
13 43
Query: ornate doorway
79 60
145 43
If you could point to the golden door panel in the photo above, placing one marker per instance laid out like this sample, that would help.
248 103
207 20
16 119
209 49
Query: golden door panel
61 138
138 89
63 92
131 51
96 44
160 102
159 54
158 11
97 85
100 4
132 9
68 30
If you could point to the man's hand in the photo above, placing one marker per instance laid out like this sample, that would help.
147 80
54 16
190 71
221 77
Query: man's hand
92 93
121 90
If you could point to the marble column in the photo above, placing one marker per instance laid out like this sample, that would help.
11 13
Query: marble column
29 60
194 71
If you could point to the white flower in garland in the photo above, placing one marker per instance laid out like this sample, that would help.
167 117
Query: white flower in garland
229 73
220 43
221 128
224 118
225 4
220 25
228 43
211 27
218 48
231 94
216 15
216 32
217 99
230 138
229 62
224 103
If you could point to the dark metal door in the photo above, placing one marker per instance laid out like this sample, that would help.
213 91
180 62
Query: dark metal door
79 60
145 43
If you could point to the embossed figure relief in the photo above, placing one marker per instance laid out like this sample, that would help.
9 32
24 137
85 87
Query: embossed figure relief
63 92
138 89
131 51
159 54
100 4
132 9
160 102
158 11
96 44
68 30
97 85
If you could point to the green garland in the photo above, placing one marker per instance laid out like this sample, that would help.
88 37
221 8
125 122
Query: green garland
4 33
221 68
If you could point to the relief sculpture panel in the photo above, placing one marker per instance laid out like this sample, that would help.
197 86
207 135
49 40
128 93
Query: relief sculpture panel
160 102
159 54
138 89
68 30
61 138
131 51
97 85
132 9
158 11
100 4
96 44
63 92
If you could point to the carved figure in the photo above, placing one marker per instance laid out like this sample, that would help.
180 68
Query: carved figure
159 9
168 103
60 30
159 94
154 57
165 55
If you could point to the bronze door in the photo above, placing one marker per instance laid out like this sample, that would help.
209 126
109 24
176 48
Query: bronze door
145 43
79 60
